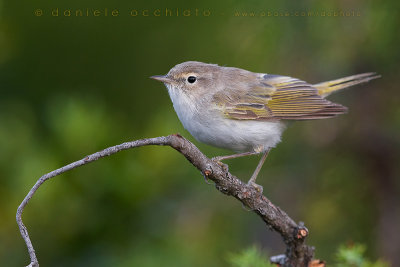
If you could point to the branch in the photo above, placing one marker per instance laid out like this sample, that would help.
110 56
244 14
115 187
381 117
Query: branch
297 252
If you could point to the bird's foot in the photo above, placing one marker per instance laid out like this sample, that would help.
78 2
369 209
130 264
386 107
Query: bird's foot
218 161
258 187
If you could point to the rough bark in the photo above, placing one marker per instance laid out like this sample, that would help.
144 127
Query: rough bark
293 234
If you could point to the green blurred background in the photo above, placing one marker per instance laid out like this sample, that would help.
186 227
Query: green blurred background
71 86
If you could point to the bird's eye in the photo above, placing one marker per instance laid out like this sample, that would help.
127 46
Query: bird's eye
191 79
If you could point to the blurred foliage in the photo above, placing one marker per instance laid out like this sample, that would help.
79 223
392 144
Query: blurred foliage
354 256
70 86
251 257
346 256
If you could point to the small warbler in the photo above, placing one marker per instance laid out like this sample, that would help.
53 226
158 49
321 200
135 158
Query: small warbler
245 111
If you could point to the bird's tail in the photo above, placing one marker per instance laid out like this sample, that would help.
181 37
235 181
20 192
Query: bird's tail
326 88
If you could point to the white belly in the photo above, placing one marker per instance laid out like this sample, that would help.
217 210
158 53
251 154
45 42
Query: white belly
211 127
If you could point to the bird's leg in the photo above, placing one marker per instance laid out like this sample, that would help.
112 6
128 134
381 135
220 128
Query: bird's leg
218 159
235 156
253 178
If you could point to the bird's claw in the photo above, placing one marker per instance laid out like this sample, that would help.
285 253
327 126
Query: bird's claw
223 165
258 187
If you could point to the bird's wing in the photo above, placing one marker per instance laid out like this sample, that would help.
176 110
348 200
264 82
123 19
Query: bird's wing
275 97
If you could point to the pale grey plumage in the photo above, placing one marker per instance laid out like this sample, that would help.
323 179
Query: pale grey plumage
245 111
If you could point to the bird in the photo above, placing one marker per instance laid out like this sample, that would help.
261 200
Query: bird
247 112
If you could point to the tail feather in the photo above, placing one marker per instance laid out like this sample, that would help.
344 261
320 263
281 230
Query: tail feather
326 88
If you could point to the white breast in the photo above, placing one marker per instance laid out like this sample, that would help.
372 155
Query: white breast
209 126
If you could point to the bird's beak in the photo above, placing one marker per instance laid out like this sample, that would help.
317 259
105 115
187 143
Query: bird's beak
162 78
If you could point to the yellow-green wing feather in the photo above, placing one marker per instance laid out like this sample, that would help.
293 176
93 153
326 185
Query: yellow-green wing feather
276 97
